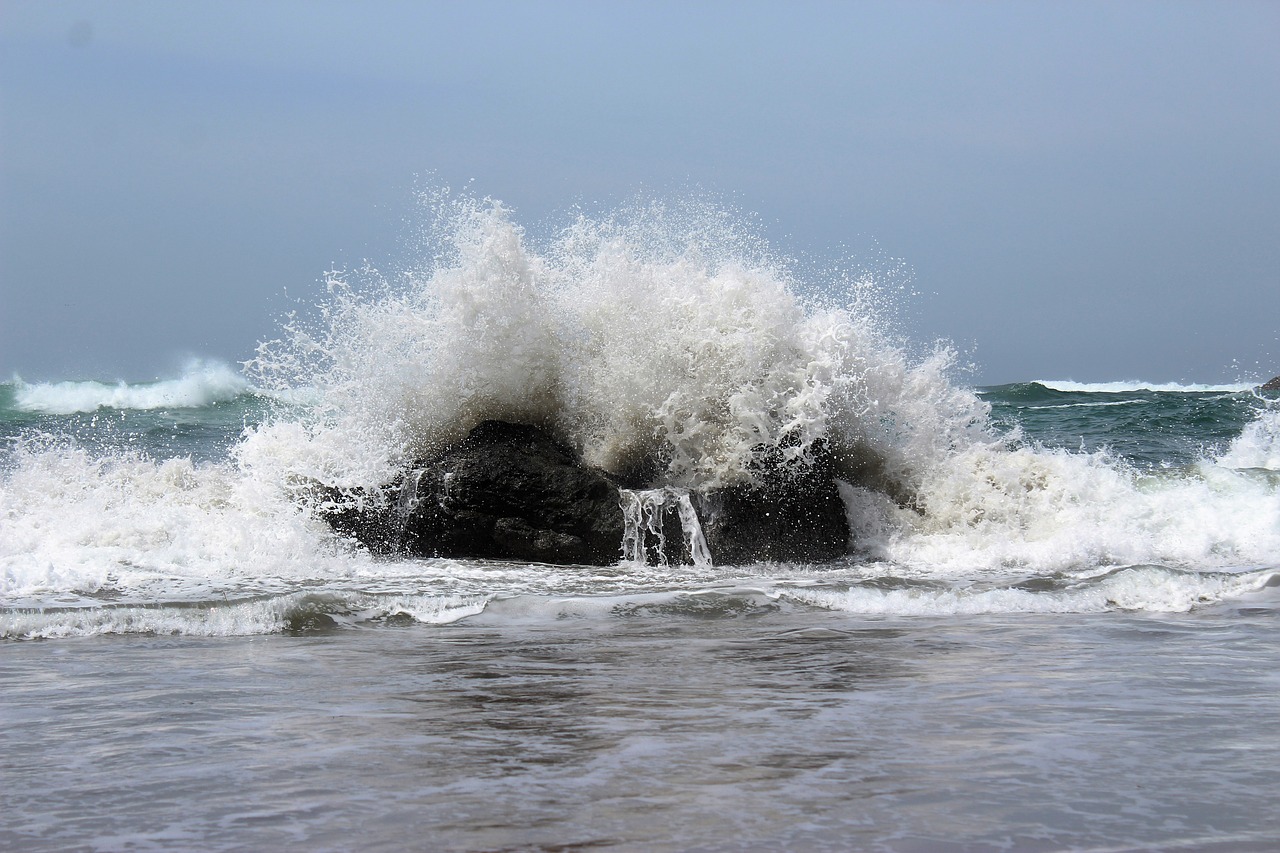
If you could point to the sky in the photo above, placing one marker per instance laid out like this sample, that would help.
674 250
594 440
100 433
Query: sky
1082 190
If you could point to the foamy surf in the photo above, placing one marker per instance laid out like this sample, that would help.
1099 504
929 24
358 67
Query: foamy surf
1147 589
78 524
1133 589
1258 445
293 613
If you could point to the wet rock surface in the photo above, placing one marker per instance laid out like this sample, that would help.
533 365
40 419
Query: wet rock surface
790 513
510 491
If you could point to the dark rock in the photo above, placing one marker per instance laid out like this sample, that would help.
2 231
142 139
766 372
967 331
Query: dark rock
510 491
1272 385
791 513
507 491
374 519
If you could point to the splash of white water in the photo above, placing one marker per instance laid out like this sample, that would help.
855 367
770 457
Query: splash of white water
647 341
644 514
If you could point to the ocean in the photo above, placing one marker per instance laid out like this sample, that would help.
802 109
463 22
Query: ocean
1055 627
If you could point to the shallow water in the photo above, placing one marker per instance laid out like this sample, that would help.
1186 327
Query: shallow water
772 731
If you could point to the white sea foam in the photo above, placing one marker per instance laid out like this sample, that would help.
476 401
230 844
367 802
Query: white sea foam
75 524
1091 404
201 384
991 507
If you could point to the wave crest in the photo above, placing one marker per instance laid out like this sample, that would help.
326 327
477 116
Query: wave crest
201 384
661 341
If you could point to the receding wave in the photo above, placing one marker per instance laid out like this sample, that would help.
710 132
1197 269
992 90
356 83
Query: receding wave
1151 589
1154 589
294 613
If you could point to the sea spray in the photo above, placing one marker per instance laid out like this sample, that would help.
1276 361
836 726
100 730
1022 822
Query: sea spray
664 351
1258 445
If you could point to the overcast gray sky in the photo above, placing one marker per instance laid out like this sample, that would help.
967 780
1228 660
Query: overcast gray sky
1084 190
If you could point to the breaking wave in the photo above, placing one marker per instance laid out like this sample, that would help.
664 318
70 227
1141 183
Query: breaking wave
665 343
656 340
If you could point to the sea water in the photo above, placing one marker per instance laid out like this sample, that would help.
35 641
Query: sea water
1055 628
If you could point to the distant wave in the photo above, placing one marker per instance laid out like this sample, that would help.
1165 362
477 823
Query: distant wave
202 384
1138 385
1092 405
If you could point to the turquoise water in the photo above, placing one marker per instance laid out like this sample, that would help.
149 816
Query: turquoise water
1145 427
